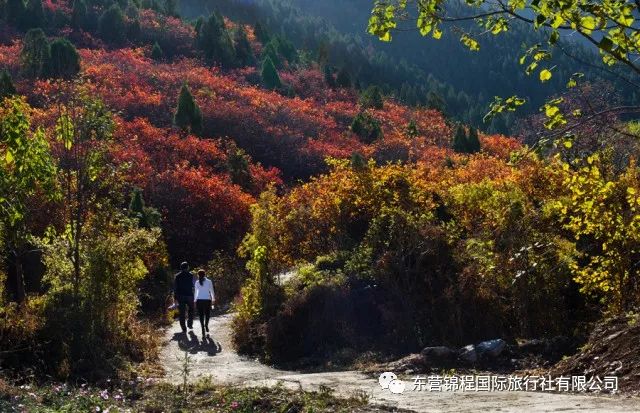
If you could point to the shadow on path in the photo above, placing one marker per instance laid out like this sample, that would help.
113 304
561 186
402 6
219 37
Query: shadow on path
191 343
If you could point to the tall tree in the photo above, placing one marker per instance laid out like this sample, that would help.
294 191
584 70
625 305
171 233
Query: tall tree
188 115
371 97
34 17
611 27
244 52
459 143
112 26
26 166
214 40
343 78
473 141
328 76
7 88
270 77
64 61
79 14
16 12
261 33
156 52
35 53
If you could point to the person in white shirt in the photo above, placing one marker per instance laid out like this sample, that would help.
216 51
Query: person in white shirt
204 297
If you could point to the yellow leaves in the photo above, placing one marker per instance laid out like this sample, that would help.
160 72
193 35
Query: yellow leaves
545 75
8 157
470 42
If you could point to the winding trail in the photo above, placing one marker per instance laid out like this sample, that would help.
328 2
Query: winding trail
215 358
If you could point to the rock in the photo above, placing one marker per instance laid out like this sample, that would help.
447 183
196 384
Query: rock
534 346
438 353
491 348
468 354
413 362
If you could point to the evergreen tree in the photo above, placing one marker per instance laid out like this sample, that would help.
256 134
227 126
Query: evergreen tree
156 52
459 144
366 127
473 141
270 76
64 60
244 53
35 53
134 30
412 129
261 33
15 12
270 50
147 217
112 26
6 85
214 40
328 76
358 163
371 98
188 115
238 165
34 17
343 78
171 8
79 14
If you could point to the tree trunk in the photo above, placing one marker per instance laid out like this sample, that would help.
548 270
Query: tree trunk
20 293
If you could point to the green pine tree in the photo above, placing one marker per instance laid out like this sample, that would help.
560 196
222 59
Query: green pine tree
371 97
64 60
214 40
238 165
188 115
473 141
35 53
358 162
459 144
270 50
147 217
270 76
343 78
112 26
34 17
328 76
156 52
366 127
244 53
15 11
261 33
412 129
7 88
79 14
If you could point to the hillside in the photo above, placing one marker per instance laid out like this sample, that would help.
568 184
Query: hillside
344 223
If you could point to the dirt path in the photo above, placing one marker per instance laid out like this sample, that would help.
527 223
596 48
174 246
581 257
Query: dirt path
217 359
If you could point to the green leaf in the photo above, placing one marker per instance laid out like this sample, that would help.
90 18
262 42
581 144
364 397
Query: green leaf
8 157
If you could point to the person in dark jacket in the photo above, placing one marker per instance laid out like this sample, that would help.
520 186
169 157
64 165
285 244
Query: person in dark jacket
183 294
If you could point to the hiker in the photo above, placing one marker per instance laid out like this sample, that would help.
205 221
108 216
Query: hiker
183 295
204 298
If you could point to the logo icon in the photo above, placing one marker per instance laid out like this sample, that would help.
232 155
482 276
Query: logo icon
390 381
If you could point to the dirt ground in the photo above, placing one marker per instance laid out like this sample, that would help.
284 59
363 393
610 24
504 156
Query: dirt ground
215 358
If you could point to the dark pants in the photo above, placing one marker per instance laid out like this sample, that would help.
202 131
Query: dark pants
204 312
185 304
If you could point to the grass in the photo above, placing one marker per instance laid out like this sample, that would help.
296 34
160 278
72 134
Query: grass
149 396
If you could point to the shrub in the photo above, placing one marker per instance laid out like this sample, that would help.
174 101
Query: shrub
64 61
371 97
270 77
366 127
112 26
188 115
35 53
7 88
